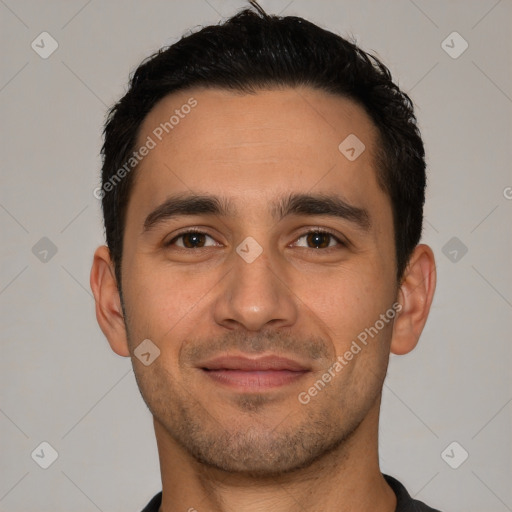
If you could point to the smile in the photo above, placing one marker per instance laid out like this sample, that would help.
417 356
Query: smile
249 374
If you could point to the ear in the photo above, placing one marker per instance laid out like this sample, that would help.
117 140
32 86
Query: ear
109 312
415 296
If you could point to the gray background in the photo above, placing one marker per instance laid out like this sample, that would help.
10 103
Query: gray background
60 381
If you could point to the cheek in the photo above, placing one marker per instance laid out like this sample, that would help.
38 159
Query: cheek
350 302
162 301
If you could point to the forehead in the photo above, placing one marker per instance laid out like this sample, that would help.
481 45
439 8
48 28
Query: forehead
251 145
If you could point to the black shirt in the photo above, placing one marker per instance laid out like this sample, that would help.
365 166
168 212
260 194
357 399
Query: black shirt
404 503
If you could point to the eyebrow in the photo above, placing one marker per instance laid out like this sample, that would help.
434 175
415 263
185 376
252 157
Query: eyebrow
293 204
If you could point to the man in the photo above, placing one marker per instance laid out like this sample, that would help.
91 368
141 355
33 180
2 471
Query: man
263 187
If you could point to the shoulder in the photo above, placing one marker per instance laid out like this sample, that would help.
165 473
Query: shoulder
404 502
154 504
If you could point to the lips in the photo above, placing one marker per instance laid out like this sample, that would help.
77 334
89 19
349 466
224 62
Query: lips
254 374
266 363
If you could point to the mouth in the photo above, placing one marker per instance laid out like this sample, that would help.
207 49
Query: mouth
254 374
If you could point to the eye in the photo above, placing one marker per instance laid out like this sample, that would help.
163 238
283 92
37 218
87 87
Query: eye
318 239
192 240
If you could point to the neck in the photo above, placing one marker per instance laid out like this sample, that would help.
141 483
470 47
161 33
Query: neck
347 478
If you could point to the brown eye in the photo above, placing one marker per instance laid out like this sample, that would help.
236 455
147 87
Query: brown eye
318 240
192 240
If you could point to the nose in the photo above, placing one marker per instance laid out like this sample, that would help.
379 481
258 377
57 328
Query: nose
255 295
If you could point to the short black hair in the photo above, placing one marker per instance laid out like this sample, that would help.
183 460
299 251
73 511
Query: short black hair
253 51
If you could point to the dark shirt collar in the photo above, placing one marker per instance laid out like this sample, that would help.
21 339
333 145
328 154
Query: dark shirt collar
404 502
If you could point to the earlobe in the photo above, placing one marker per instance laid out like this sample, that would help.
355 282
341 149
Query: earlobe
109 312
415 296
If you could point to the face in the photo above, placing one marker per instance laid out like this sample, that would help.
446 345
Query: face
255 254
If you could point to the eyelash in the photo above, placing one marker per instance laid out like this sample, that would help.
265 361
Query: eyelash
312 231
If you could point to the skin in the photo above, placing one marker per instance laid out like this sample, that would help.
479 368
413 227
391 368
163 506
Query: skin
221 449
